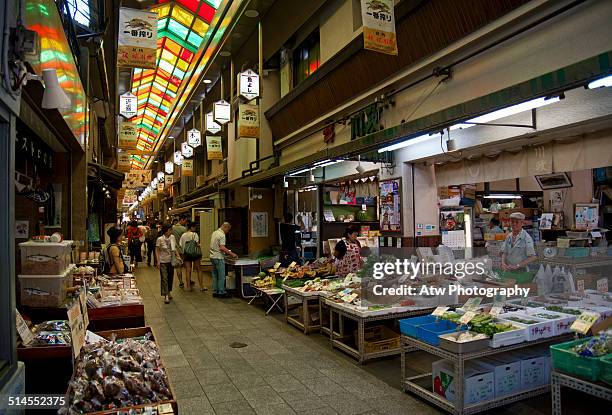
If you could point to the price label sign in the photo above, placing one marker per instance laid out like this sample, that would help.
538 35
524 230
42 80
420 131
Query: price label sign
293 264
439 311
83 301
277 265
22 328
472 303
127 282
495 310
77 328
602 285
580 286
584 322
467 317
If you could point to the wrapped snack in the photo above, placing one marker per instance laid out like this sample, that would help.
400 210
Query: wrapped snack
50 338
53 325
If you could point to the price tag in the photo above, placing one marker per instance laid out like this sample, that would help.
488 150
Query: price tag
596 234
22 328
580 286
127 282
363 207
584 322
83 301
77 329
495 310
293 264
439 311
602 285
467 317
91 337
472 303
277 265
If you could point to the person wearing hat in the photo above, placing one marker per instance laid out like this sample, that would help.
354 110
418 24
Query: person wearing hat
518 249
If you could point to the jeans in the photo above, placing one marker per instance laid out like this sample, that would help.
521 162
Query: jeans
218 275
151 253
166 273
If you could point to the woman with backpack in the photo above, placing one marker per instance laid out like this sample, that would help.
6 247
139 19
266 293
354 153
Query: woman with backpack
134 244
192 253
151 239
113 259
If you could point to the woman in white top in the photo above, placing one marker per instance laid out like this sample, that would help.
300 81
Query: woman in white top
192 254
165 247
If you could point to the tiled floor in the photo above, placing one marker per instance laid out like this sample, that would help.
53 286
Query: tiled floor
280 371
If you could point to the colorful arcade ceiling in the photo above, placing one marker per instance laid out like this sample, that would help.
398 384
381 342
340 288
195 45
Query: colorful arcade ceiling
181 28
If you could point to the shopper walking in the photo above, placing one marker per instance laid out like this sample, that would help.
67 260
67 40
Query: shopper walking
113 256
192 254
134 245
165 248
351 260
151 239
178 230
218 250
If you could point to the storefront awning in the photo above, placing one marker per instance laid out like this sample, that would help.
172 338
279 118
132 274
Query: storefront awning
109 176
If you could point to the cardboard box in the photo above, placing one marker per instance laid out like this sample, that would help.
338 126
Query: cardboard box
507 372
479 383
535 368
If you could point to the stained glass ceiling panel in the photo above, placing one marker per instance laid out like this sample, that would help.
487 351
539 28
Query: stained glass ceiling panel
182 26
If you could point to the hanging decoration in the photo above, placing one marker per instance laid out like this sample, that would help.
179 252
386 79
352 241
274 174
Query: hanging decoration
248 84
187 167
379 26
248 121
222 111
128 136
186 150
178 158
137 40
194 138
160 176
124 161
214 150
169 169
128 104
211 125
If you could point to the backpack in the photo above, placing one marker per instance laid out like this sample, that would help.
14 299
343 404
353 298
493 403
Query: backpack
105 259
152 236
192 249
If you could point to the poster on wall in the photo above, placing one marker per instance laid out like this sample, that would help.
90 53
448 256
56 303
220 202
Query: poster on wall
379 26
22 229
128 136
187 167
586 216
248 121
390 205
214 150
137 38
259 224
137 178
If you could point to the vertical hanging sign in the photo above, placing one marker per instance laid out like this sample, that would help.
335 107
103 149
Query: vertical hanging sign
222 111
187 167
194 138
379 26
124 161
248 121
213 148
160 186
186 150
128 104
169 169
211 125
168 180
178 158
249 84
137 38
128 136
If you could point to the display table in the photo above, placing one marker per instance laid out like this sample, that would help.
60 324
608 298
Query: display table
245 270
101 318
558 379
43 362
409 384
361 318
305 300
272 295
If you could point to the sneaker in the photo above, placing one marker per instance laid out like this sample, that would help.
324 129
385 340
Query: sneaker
224 295
166 299
203 289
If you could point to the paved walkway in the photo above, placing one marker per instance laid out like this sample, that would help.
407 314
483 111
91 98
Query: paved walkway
280 371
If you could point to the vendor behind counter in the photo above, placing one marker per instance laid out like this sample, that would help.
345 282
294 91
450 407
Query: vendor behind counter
518 249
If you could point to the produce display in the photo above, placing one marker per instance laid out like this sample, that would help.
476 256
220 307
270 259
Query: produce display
563 310
466 336
264 281
110 375
597 346
321 268
547 316
485 324
521 320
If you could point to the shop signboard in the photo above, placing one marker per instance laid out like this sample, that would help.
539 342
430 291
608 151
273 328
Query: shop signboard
137 39
169 179
128 136
128 104
222 112
186 150
248 121
248 83
160 186
136 179
130 197
211 125
194 138
169 168
35 150
178 158
77 327
124 161
160 176
187 167
390 205
214 150
379 26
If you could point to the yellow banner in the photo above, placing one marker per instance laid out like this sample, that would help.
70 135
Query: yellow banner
187 167
379 26
124 161
137 38
128 136
213 147
248 121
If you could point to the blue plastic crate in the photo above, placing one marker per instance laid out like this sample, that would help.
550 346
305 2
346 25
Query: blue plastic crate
429 332
408 326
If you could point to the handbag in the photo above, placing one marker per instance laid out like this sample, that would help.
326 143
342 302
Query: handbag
192 249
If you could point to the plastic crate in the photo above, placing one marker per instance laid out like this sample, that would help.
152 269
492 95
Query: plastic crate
541 329
408 326
45 290
567 361
429 332
605 372
518 277
45 258
379 339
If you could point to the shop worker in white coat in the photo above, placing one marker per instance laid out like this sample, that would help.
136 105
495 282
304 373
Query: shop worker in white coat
518 249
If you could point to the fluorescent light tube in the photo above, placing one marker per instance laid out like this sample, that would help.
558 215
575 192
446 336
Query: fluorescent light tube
321 162
601 82
409 142
508 111
329 163
502 196
299 172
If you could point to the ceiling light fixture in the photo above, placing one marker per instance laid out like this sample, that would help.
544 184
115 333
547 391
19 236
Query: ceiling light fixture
207 81
409 142
252 13
503 196
601 82
225 53
54 95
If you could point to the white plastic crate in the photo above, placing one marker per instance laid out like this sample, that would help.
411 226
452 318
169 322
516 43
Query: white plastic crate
561 324
45 258
508 338
45 290
542 329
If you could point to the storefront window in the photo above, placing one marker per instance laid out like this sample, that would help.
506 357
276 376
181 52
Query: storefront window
306 58
80 11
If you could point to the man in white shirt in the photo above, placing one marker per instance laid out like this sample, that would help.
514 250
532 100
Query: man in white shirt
218 250
518 249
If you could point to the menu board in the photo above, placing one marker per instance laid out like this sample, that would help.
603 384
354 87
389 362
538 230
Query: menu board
390 205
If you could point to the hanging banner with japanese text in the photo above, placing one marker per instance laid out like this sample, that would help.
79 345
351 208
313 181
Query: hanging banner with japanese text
160 187
248 121
248 84
137 38
213 147
128 104
379 26
128 136
168 180
124 161
136 179
187 167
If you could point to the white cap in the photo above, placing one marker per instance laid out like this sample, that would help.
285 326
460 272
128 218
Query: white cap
517 215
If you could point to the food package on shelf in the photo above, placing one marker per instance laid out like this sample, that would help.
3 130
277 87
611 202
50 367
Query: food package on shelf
45 290
45 258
